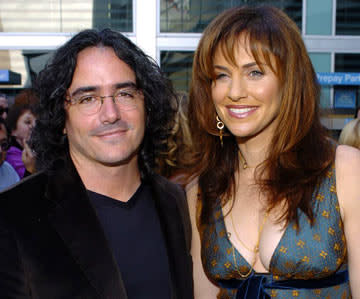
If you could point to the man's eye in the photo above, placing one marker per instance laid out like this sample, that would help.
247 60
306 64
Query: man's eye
126 94
87 100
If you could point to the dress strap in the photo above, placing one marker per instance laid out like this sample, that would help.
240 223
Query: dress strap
254 286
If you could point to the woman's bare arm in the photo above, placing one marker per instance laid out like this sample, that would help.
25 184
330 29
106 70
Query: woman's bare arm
347 164
203 287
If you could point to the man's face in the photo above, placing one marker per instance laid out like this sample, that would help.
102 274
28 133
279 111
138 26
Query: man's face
3 138
112 135
4 106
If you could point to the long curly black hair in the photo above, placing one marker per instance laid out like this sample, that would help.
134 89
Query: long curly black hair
52 83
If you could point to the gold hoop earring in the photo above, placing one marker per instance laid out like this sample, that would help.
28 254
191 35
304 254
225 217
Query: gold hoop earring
220 125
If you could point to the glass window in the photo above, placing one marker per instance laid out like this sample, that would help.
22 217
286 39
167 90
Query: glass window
347 17
194 16
115 14
347 63
322 63
319 10
65 15
24 62
177 65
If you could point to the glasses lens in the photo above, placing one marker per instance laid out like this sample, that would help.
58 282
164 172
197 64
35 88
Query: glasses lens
89 104
127 98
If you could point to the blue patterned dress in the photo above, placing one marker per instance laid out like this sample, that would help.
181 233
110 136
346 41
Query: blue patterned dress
310 263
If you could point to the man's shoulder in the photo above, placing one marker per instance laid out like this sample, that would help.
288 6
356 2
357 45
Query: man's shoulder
167 186
177 193
19 195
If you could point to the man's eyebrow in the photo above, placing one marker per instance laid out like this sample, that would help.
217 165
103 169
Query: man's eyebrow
125 84
85 89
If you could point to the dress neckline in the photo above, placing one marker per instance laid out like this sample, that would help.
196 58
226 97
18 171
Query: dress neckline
237 253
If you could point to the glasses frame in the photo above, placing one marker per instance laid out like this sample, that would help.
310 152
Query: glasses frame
135 93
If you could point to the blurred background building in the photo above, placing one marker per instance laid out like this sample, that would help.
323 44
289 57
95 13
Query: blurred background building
169 30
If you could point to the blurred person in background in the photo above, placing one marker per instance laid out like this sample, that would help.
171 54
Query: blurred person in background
357 112
28 97
350 134
8 175
4 106
21 121
172 163
276 203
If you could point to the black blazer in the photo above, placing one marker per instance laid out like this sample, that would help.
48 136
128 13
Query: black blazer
52 244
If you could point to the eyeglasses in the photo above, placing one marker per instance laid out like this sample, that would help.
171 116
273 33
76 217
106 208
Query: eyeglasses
125 99
2 110
4 145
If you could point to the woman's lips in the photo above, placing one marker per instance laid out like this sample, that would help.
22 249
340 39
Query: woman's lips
241 111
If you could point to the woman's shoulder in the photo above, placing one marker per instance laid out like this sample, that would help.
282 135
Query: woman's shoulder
192 190
346 158
347 167
192 185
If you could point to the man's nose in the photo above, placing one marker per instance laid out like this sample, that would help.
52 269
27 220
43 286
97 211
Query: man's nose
109 111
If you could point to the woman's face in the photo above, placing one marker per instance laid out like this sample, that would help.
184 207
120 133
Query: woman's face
24 126
247 98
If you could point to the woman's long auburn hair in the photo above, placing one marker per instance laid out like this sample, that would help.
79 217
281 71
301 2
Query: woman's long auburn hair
301 153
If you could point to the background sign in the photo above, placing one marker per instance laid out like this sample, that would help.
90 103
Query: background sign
338 78
9 77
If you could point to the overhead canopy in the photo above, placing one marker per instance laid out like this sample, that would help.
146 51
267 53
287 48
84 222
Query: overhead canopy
8 77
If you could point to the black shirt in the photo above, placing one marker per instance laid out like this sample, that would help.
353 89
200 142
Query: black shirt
137 242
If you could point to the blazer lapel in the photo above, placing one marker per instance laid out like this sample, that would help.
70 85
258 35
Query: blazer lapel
179 259
75 220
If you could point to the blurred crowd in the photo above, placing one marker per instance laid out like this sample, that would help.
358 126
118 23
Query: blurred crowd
17 160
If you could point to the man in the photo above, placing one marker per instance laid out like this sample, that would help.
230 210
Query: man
4 106
96 222
8 175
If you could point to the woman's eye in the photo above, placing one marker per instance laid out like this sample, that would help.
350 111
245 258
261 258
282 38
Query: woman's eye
256 73
220 76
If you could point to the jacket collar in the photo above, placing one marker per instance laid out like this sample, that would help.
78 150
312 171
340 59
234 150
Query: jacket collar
75 220
166 196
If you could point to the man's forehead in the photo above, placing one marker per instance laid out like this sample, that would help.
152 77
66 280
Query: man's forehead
99 68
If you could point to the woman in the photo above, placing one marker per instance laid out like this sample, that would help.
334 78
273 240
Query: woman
350 134
21 121
275 202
